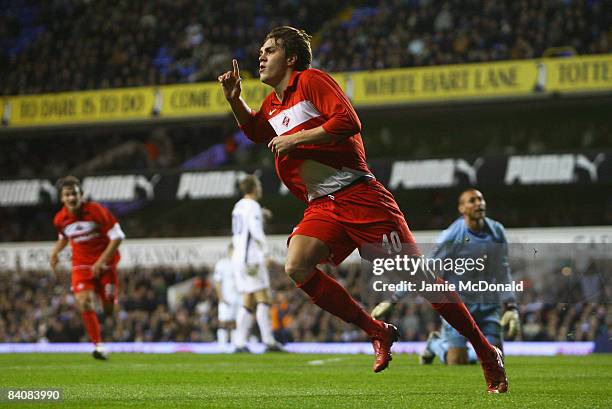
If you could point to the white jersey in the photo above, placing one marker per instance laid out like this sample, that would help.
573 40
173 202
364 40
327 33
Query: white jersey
249 240
248 235
224 275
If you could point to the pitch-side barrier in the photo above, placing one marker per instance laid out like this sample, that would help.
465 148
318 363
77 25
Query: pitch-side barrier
510 348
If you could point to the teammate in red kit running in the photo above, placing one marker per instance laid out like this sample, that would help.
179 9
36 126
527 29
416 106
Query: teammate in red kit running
314 133
94 235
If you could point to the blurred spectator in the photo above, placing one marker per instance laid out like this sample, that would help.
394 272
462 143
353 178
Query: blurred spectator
415 33
35 307
76 45
282 319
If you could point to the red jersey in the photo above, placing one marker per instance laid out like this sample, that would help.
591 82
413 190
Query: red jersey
312 99
89 233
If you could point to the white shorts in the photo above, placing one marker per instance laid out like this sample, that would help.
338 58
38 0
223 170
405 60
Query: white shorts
228 312
248 282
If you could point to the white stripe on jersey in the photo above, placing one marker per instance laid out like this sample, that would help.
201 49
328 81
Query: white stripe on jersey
115 232
323 180
289 118
79 228
320 179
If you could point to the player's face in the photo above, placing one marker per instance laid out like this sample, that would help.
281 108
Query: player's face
273 64
72 198
473 205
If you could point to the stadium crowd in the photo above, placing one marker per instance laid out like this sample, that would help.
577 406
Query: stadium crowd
36 306
76 45
393 34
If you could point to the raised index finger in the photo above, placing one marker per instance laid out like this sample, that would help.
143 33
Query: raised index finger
236 69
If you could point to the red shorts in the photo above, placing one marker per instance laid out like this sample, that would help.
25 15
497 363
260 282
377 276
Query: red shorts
363 214
106 286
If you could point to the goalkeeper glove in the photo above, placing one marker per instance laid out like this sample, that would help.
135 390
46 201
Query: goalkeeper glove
382 310
510 318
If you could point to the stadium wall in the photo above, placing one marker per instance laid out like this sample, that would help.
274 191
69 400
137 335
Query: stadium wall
478 81
510 348
585 168
205 251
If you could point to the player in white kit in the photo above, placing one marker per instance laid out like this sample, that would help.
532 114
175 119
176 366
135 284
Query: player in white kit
228 296
249 262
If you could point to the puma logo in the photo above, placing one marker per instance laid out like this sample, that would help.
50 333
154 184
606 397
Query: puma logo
590 166
146 185
470 171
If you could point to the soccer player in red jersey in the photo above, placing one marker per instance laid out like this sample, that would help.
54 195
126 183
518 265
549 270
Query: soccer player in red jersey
313 131
94 235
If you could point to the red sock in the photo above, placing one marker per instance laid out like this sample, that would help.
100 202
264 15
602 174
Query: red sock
92 326
328 294
454 311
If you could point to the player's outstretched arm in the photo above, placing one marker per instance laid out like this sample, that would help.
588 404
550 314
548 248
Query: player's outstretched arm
104 258
60 244
219 292
267 214
231 83
282 145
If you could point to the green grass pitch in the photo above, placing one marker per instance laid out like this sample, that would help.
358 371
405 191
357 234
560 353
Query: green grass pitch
303 381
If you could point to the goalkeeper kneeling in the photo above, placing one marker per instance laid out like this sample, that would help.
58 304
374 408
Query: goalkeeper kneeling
472 236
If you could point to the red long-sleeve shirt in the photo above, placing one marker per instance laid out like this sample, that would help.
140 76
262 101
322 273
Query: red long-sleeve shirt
312 99
89 233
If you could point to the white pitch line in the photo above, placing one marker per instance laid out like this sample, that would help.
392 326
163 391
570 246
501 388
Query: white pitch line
323 361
